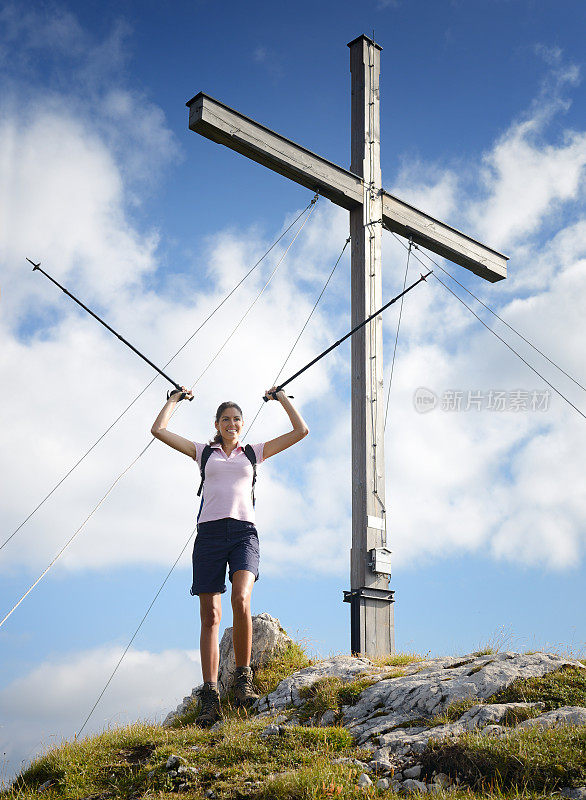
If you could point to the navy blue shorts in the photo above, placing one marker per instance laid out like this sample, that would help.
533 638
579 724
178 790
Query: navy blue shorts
222 542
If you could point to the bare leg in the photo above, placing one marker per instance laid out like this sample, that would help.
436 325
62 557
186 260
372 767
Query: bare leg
210 610
242 583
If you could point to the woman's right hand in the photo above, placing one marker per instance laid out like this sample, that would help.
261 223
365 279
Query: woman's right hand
177 396
159 428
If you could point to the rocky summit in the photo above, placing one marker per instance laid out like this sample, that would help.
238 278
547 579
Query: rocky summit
394 712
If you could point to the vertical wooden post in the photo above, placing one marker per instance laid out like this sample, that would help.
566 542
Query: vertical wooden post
372 618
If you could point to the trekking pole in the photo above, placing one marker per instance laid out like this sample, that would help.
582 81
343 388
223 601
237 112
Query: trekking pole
350 333
105 324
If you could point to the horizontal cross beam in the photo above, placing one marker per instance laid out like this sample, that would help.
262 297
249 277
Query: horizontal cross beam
222 124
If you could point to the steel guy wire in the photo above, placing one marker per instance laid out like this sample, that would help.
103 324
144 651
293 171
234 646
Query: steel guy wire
313 202
300 334
512 349
160 589
397 335
139 395
143 451
488 308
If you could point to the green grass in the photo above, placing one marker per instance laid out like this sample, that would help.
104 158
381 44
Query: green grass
523 759
397 660
564 687
130 762
331 694
236 762
285 662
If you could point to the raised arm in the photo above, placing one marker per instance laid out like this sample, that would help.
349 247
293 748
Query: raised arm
159 429
300 429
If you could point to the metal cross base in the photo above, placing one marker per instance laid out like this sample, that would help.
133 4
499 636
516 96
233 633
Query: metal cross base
356 597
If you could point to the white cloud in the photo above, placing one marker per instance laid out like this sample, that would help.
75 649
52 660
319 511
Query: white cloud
430 189
68 196
52 701
525 177
501 483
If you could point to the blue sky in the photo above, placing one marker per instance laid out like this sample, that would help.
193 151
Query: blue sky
483 123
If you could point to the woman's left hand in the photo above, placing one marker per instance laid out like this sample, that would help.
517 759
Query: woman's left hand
272 394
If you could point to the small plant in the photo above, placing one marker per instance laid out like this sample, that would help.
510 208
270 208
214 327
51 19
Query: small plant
453 712
513 716
330 694
397 660
332 789
284 663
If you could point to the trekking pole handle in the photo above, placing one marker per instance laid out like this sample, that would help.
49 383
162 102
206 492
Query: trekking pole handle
170 394
273 395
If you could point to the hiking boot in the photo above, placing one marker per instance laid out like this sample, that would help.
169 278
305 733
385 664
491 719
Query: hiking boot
244 693
210 710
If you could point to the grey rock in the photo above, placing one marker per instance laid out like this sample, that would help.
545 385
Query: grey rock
442 779
574 794
44 786
217 725
412 786
364 780
381 753
566 715
182 770
328 718
439 682
270 730
380 767
209 793
172 762
480 715
172 773
293 720
382 783
493 730
412 772
267 638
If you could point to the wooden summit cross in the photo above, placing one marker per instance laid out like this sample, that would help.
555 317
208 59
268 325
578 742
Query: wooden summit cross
358 190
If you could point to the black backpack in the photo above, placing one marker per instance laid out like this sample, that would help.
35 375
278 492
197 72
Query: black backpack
206 453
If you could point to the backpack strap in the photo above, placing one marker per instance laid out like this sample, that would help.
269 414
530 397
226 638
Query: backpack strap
251 456
205 454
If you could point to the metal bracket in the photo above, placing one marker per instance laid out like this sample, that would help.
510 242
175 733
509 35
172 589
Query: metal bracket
355 597
369 593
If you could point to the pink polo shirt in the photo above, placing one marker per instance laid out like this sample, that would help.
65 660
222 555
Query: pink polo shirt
227 490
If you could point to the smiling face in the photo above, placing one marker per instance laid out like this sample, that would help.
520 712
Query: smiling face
229 424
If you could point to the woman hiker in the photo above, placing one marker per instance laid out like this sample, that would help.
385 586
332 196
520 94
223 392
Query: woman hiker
226 535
